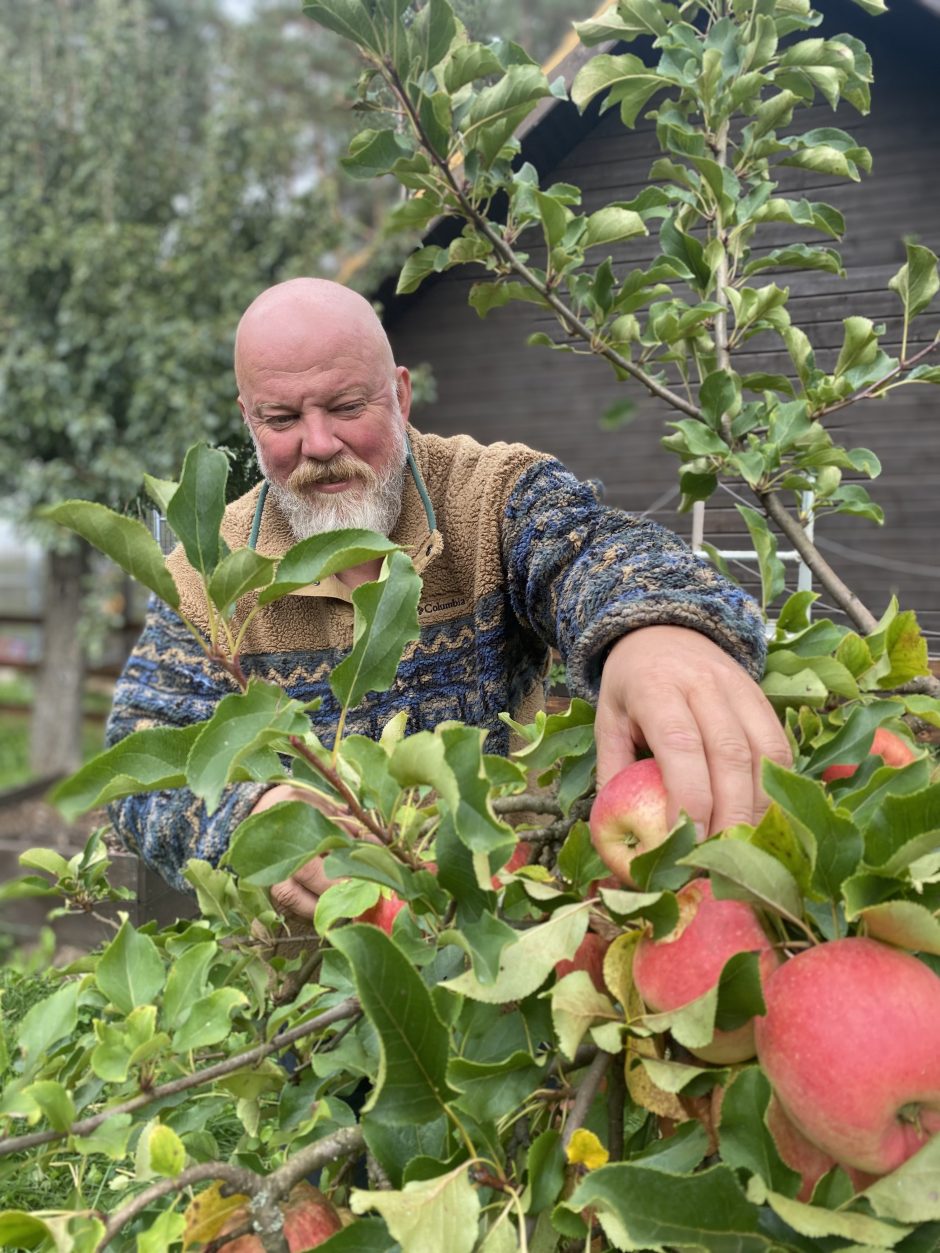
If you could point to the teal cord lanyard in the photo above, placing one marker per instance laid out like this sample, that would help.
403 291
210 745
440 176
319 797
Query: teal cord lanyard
259 510
415 474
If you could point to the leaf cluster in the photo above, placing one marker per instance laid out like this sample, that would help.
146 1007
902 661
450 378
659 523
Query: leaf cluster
451 1048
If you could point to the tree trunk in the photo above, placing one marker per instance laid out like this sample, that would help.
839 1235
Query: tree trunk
56 728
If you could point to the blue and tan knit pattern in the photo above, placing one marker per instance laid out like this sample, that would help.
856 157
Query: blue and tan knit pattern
529 560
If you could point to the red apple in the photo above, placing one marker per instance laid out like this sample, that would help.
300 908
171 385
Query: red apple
685 964
894 750
796 1151
383 912
309 1220
589 956
851 1046
628 816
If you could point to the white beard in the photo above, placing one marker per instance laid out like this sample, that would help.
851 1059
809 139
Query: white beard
369 507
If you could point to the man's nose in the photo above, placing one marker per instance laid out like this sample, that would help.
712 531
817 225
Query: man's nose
319 441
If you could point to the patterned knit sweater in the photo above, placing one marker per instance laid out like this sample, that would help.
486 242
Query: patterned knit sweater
523 558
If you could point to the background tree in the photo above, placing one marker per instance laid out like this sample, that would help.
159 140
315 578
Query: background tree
162 161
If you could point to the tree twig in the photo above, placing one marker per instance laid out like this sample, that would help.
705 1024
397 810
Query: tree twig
565 315
265 1190
346 1009
586 1094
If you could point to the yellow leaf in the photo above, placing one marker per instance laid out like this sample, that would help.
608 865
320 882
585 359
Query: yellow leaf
208 1213
584 1149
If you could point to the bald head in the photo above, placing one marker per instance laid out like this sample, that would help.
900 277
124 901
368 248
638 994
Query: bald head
292 323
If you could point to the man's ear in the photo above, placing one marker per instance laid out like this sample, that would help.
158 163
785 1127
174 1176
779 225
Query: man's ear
242 410
403 390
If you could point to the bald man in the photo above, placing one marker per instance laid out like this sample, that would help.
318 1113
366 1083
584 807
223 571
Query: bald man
516 556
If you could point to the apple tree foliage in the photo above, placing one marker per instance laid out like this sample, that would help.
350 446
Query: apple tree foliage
451 1090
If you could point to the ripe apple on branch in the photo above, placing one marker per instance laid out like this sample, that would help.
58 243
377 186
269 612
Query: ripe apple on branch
886 744
682 966
851 1046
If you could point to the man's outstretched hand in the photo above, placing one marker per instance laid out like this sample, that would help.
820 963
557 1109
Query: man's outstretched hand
671 691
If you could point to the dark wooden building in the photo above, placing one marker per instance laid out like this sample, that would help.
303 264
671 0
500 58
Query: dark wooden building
491 385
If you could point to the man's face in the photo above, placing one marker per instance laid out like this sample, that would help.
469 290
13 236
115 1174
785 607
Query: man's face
331 441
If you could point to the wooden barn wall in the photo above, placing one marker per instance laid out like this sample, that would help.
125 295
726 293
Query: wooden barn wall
491 385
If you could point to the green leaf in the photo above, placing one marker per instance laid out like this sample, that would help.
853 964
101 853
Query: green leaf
353 19
661 869
566 734
236 575
432 33
213 1021
242 723
628 81
187 982
797 257
904 924
373 153
902 829
818 1223
917 282
468 62
125 540
386 619
631 18
160 491
195 512
576 1007
610 225
490 1090
450 759
366 1235
322 555
130 970
853 740
428 1215
165 1150
422 263
164 1232
346 899
145 761
727 1005
688 252
110 1138
483 940
270 846
411 1084
719 395
525 965
545 1162
578 861
909 1193
640 1207
55 1101
498 109
859 344
772 573
747 873
745 1140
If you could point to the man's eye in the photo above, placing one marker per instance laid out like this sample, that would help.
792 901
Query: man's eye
349 410
280 420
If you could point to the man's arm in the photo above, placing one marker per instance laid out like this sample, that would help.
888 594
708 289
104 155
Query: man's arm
169 682
667 647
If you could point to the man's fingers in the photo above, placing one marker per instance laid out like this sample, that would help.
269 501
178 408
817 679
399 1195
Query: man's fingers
292 897
675 740
615 745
